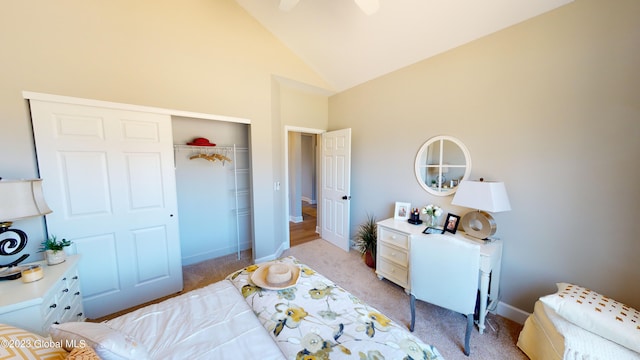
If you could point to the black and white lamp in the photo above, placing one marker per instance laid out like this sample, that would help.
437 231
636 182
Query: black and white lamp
485 196
19 199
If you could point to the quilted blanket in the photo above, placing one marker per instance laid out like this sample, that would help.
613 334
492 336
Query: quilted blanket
317 319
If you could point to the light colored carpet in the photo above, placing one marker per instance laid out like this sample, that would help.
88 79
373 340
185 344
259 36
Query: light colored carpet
434 325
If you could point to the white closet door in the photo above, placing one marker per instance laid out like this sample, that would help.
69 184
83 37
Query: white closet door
108 176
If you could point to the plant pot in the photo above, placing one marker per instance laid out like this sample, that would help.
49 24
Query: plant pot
369 259
55 257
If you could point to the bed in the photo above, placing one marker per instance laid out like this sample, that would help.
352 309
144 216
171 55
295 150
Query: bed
562 328
241 318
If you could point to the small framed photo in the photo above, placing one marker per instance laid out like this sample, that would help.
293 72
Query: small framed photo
451 224
432 230
403 211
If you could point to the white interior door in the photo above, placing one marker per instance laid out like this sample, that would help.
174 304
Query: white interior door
108 176
336 187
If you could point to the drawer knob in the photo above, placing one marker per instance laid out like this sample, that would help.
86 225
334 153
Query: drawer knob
77 293
65 290
53 306
79 314
75 277
67 307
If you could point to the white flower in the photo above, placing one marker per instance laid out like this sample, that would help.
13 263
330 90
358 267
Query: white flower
432 210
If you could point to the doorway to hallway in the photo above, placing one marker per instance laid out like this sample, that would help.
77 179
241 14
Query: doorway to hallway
304 231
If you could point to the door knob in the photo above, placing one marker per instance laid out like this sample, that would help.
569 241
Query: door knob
346 197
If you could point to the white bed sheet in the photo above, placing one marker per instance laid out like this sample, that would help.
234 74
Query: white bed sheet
213 322
548 336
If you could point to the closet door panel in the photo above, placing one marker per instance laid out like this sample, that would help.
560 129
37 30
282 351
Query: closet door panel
108 176
151 248
144 172
87 184
101 249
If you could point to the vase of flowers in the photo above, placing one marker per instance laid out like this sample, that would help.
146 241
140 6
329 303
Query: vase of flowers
433 212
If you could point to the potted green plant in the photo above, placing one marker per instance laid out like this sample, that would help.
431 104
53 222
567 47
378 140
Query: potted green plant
366 240
54 250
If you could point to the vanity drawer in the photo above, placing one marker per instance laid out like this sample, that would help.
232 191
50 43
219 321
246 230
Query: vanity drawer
394 272
64 302
393 237
393 254
50 304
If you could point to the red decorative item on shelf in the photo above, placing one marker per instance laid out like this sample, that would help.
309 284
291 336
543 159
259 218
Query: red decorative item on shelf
201 142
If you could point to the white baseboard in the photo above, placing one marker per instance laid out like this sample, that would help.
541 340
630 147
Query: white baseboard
216 253
512 313
295 219
273 256
308 200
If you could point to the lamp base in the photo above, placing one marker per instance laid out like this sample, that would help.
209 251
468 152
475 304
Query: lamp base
478 224
14 245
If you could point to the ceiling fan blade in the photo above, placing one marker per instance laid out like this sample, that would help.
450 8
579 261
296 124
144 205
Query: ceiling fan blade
368 6
287 5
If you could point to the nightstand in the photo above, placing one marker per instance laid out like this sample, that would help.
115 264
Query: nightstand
53 299
392 260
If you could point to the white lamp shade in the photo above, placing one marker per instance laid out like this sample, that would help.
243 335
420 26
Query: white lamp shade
482 195
20 199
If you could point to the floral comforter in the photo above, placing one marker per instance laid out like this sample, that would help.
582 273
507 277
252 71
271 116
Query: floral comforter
316 319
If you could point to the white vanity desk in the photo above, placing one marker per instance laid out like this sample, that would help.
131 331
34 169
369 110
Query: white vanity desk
392 261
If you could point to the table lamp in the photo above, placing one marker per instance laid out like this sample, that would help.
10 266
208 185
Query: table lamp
19 199
485 196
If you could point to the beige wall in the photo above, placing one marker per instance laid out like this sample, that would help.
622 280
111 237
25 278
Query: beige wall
550 106
194 55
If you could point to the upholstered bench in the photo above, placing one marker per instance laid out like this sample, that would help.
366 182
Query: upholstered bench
578 323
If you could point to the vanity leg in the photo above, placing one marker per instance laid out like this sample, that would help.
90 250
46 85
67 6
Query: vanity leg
484 290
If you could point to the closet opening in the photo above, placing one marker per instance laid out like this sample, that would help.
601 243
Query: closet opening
213 189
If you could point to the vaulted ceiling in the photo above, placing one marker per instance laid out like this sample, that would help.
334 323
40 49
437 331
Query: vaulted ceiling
347 47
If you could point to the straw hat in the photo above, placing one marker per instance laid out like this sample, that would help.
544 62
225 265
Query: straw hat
276 276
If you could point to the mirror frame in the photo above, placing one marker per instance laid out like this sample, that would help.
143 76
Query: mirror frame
418 168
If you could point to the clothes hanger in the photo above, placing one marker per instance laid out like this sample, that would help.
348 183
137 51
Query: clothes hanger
211 157
203 156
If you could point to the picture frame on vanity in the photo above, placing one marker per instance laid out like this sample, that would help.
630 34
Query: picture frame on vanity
402 211
451 223
433 230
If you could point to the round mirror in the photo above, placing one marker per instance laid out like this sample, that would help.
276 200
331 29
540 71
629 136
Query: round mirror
441 163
